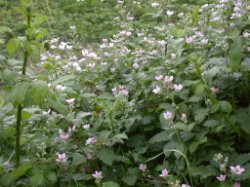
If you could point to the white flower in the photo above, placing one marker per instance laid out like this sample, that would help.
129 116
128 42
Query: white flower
86 126
61 157
185 185
204 41
136 65
167 115
170 13
70 101
173 55
168 79
164 173
246 34
157 90
177 87
155 4
60 87
90 141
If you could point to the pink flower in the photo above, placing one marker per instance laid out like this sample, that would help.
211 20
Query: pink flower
167 115
61 157
86 126
159 77
214 90
177 87
90 156
237 170
97 175
164 173
236 184
185 185
189 39
168 79
143 167
90 141
221 177
157 90
63 135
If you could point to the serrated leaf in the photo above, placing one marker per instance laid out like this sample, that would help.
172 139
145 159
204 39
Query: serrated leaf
18 93
200 114
35 54
159 137
243 118
106 155
199 90
236 52
78 159
36 180
38 92
110 184
225 106
131 176
203 171
20 171
12 46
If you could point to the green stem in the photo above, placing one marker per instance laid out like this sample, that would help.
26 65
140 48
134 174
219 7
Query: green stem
19 108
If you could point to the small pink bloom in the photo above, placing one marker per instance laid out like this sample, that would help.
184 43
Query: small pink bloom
214 90
236 184
189 39
167 115
237 170
63 135
177 87
221 177
164 173
157 90
143 167
159 77
185 185
61 157
90 141
97 175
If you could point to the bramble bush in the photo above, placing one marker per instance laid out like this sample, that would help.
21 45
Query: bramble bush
130 93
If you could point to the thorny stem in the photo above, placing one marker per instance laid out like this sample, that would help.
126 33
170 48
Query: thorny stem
19 108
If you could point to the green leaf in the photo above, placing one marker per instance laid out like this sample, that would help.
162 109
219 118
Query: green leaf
78 159
131 176
159 137
51 176
199 90
35 54
18 93
203 171
200 114
243 118
38 92
236 52
36 180
200 139
9 132
110 184
12 46
106 155
225 106
25 115
20 171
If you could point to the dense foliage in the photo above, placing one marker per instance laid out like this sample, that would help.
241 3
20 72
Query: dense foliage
125 93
